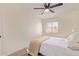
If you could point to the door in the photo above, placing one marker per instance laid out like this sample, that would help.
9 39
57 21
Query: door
1 31
1 21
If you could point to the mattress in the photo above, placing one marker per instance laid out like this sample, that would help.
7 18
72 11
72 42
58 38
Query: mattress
56 47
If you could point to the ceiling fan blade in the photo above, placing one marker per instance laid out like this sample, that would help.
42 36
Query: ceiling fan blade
59 4
39 8
49 4
51 11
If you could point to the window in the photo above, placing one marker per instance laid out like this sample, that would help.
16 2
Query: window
52 27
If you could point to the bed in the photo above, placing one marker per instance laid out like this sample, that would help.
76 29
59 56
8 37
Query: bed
55 46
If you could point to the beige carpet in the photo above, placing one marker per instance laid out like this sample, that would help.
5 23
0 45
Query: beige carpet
22 52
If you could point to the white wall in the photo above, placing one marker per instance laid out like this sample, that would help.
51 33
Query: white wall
20 25
67 22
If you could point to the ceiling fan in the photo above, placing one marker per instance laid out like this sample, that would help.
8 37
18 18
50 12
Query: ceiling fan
47 7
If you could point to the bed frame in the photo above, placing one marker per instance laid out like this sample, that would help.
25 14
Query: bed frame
39 54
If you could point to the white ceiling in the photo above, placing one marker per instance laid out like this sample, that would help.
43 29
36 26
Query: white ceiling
27 8
59 11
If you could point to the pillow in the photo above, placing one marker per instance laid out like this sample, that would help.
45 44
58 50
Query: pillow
73 41
71 36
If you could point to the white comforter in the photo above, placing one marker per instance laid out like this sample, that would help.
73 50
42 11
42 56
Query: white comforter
57 47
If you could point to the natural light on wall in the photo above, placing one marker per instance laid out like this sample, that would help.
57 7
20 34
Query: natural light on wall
52 27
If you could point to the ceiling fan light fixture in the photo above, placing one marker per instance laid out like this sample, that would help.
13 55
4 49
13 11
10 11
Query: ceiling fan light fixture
46 10
47 7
